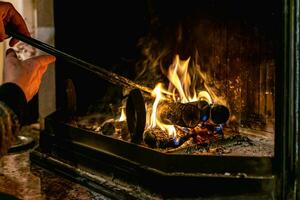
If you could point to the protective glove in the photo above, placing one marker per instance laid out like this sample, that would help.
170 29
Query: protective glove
27 74
9 17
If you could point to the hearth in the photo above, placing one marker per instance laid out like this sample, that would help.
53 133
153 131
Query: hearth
180 99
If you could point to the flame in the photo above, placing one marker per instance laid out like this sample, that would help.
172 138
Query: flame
203 95
181 89
158 94
180 78
210 91
123 116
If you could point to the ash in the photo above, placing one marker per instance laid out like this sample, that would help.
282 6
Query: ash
237 145
199 141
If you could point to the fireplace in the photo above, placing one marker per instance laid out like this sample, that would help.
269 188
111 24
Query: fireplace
197 103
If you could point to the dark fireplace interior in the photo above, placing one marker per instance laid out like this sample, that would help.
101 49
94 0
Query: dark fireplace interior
215 127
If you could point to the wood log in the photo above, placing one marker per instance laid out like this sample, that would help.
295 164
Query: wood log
108 127
157 138
204 109
219 114
174 113
122 130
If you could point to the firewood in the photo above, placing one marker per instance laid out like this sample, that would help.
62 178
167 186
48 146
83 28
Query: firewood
108 127
157 138
219 114
122 129
175 113
204 109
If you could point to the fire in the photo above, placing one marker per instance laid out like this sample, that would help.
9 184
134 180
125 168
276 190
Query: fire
180 80
180 88
212 95
203 95
158 94
123 115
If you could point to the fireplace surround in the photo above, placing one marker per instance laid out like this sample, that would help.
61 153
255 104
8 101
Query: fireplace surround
248 48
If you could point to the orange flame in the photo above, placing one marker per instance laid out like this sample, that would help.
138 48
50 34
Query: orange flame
180 78
213 96
158 94
180 82
181 89
123 116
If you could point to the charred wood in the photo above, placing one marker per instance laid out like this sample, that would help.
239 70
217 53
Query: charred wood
157 138
204 108
108 127
122 129
174 113
219 114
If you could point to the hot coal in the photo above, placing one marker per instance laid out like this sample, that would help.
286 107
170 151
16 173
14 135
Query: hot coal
207 137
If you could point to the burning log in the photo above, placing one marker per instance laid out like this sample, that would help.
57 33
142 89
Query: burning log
108 127
157 138
204 109
112 127
122 130
185 115
219 114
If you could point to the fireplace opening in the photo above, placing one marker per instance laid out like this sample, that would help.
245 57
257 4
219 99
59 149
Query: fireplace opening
214 63
200 104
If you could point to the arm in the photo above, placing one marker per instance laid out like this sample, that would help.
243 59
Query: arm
21 82
21 78
12 98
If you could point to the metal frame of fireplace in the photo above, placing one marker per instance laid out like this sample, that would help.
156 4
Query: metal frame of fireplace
147 167
81 155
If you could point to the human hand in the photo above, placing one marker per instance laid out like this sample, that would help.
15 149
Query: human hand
9 17
26 74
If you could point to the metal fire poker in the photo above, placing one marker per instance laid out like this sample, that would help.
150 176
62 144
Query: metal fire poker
135 109
221 115
101 72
